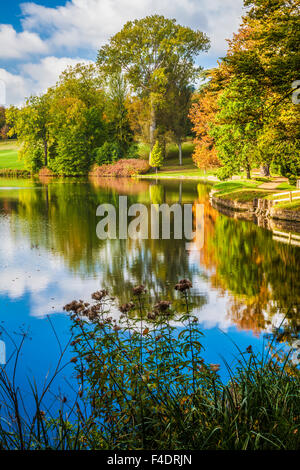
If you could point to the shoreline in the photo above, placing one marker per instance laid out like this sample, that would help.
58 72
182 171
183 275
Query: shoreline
261 211
208 179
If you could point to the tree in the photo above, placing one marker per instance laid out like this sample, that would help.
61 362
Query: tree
32 126
2 119
174 111
235 129
265 54
138 115
72 154
156 159
149 51
119 130
62 128
202 115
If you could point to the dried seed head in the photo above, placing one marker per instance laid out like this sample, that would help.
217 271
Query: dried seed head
99 295
162 306
183 285
139 290
125 308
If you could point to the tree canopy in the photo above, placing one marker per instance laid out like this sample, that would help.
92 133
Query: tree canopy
152 52
254 121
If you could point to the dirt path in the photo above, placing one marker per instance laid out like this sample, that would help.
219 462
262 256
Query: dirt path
273 184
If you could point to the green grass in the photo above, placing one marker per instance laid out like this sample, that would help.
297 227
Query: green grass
286 186
228 186
9 156
291 206
243 196
241 191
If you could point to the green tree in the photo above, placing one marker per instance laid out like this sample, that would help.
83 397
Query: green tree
119 130
2 117
150 51
236 127
72 148
82 83
32 126
156 159
178 104
263 58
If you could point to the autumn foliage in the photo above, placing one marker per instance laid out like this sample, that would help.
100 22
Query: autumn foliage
202 114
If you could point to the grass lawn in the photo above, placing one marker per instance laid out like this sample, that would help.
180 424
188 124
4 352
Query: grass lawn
247 190
229 186
291 206
241 191
9 156
243 195
286 186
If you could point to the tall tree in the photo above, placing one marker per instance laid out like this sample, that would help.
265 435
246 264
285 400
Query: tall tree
175 111
32 126
116 112
2 117
202 115
149 51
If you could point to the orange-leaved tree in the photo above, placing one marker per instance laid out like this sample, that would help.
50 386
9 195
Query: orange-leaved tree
202 114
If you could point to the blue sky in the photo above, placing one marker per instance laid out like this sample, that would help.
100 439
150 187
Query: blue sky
39 39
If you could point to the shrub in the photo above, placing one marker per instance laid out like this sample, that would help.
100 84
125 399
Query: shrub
45 171
224 173
110 152
123 167
293 180
133 151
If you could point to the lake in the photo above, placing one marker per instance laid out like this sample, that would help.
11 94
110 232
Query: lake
245 283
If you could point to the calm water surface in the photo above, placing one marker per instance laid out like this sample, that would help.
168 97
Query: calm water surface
244 282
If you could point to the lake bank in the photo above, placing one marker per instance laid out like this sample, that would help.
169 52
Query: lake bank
256 200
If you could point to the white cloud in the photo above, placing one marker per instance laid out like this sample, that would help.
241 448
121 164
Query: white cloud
34 78
53 38
46 72
89 23
16 87
15 45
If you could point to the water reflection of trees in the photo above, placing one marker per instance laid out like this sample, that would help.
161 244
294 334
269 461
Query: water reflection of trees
262 276
61 218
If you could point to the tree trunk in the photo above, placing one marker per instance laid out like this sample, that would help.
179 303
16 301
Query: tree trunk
46 151
164 147
248 173
265 169
152 127
180 153
180 192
